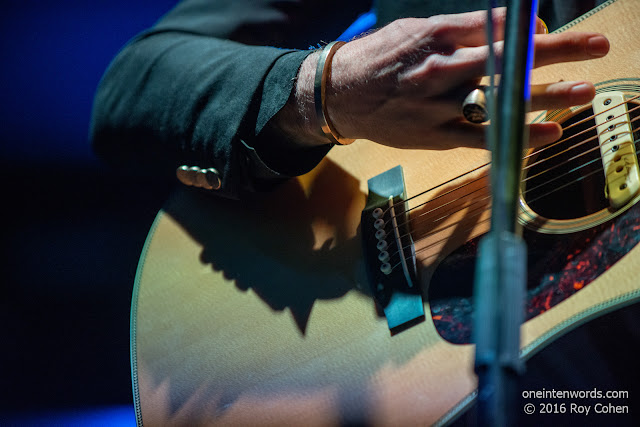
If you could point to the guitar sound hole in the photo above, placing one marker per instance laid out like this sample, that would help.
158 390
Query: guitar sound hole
566 180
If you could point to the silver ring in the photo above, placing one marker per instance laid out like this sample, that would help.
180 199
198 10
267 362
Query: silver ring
474 106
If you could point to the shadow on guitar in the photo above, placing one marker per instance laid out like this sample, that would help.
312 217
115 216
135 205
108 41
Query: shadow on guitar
295 245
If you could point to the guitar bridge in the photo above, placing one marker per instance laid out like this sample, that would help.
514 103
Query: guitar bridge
389 251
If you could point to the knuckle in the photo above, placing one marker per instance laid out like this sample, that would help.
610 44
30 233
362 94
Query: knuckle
438 26
405 25
432 69
500 14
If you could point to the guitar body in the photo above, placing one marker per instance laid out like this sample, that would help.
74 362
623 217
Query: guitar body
259 312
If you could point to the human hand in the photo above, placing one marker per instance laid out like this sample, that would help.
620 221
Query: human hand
404 85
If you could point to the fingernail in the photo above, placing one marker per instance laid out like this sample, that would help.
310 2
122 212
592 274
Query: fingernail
542 27
581 92
597 46
580 87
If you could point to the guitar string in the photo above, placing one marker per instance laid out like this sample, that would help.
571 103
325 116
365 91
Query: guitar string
468 217
541 149
473 226
469 228
524 180
414 219
536 152
482 211
459 208
444 216
570 171
583 153
417 221
483 176
568 184
578 144
444 239
432 244
445 194
475 201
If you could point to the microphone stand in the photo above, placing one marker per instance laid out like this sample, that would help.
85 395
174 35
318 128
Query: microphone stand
500 278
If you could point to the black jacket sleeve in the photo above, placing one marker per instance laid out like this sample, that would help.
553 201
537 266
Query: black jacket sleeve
200 86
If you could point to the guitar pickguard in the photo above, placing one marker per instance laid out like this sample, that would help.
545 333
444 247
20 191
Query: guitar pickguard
558 267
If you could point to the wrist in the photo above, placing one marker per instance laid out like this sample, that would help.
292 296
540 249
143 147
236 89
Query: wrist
342 83
297 119
321 81
304 115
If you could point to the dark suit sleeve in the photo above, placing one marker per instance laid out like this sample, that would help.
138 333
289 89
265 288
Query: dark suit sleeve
200 86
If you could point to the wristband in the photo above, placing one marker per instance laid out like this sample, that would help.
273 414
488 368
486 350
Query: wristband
323 73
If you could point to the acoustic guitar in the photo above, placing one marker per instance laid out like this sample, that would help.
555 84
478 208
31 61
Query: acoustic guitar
345 296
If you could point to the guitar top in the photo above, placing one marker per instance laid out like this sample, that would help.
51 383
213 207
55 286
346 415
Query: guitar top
261 312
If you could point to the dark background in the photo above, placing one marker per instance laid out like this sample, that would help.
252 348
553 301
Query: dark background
73 229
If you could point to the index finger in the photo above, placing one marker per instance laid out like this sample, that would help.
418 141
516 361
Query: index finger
470 29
